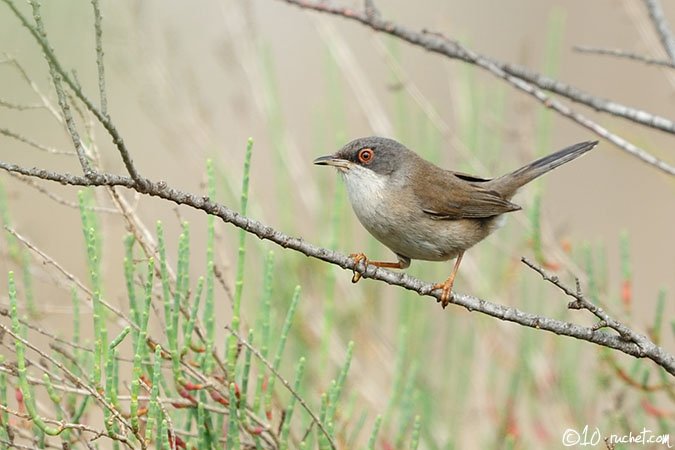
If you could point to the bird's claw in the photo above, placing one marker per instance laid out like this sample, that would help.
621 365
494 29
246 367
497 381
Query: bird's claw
446 293
358 257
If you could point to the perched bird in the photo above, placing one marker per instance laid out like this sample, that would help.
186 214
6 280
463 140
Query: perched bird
420 211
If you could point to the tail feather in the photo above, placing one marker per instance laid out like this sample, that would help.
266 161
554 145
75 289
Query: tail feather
508 184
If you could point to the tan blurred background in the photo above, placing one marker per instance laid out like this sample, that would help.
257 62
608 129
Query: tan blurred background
190 81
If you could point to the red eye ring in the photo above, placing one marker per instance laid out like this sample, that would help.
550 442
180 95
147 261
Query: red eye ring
366 155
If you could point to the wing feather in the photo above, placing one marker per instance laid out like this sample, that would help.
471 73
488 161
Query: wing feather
459 196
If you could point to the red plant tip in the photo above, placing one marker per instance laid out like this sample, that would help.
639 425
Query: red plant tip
552 266
145 380
197 348
257 430
386 445
626 293
237 392
19 396
541 432
186 394
654 411
216 396
512 429
268 414
180 405
178 442
192 386
142 412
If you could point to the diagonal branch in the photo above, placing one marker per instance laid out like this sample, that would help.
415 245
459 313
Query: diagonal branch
662 27
643 349
519 77
625 54
581 302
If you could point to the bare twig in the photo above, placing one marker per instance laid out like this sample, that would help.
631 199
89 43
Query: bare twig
61 201
662 27
597 103
25 140
18 107
370 8
72 278
33 85
98 31
624 54
581 302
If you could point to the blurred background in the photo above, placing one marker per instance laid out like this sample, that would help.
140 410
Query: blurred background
187 83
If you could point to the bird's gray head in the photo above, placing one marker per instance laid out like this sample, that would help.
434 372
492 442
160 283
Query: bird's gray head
381 155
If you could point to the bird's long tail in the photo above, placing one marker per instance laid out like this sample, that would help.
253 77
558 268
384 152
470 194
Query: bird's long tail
508 184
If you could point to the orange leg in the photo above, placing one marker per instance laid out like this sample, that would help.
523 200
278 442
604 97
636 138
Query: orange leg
358 257
447 285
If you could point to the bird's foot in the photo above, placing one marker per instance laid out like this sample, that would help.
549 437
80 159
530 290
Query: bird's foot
358 257
446 291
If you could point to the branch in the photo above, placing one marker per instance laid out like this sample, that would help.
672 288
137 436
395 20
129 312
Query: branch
624 54
519 77
160 189
662 27
581 302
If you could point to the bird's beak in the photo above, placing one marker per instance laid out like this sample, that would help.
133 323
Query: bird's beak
330 160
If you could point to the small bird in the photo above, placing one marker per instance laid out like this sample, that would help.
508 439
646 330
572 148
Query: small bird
420 211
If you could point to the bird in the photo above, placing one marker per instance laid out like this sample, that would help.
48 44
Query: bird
423 212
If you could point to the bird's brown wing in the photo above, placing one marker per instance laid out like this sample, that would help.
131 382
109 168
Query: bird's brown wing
459 196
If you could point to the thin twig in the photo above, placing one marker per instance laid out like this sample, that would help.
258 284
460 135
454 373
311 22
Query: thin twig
624 54
98 32
581 302
61 201
46 102
25 140
72 278
662 27
584 98
370 8
18 107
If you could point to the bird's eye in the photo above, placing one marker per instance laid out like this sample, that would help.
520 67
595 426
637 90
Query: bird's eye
366 155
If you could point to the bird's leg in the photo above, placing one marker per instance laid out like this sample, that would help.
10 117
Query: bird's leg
447 285
358 257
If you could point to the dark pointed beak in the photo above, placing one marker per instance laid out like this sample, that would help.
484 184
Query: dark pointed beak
330 160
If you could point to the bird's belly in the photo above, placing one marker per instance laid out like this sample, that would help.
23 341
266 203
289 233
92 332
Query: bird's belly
430 240
417 236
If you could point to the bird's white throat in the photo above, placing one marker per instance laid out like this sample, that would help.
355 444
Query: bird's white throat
366 190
